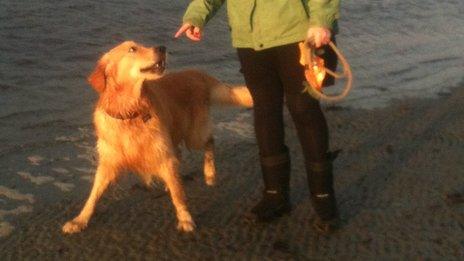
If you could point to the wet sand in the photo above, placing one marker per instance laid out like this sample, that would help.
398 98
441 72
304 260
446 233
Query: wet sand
399 182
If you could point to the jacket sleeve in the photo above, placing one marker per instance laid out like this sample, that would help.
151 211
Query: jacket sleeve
199 12
323 13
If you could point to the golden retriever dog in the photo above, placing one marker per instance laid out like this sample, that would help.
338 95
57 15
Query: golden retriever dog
142 117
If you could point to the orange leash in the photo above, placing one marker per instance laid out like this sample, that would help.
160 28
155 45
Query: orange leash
315 73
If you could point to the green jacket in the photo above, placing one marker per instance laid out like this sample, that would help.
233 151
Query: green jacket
262 24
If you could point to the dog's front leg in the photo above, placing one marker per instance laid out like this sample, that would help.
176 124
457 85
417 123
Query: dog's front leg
105 174
171 177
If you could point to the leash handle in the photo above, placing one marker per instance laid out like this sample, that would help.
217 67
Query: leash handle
313 90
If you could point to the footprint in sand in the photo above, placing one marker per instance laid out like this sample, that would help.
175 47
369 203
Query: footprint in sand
35 160
85 170
67 138
240 125
38 180
88 171
85 146
5 227
15 195
87 178
61 170
63 186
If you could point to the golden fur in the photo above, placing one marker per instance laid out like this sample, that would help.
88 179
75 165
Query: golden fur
143 115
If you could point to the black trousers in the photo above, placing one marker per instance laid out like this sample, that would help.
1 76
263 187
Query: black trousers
272 75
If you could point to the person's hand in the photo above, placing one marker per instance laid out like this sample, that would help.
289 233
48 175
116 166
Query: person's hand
192 32
319 36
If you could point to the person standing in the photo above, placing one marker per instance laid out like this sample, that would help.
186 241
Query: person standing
266 34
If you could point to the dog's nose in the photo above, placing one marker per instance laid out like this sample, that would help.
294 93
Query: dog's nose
160 49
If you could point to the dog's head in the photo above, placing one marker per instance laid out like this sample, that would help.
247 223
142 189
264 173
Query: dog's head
127 64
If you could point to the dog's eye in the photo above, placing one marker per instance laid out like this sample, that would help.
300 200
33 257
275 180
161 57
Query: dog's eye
133 49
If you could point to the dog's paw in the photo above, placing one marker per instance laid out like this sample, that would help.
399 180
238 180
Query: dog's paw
209 172
73 226
210 181
210 176
185 220
186 226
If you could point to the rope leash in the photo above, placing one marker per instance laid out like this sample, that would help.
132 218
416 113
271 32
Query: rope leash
315 73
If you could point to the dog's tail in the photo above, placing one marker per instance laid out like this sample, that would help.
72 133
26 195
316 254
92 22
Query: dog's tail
231 95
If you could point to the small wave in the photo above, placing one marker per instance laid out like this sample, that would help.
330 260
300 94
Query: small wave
29 113
81 7
434 61
87 57
44 124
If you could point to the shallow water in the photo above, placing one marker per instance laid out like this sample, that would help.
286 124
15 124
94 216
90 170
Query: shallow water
397 49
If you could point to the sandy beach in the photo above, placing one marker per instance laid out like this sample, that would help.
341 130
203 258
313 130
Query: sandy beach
399 176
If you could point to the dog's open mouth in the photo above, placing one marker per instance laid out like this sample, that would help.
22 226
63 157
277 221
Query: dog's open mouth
157 68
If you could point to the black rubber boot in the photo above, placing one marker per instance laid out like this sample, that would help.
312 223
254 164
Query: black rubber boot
276 178
320 181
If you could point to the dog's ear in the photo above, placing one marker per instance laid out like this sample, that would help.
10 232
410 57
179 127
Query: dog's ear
98 77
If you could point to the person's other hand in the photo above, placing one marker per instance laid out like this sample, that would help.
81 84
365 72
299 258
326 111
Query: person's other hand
319 36
192 32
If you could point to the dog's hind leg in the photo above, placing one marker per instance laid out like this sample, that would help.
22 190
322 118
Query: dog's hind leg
209 168
105 174
169 174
